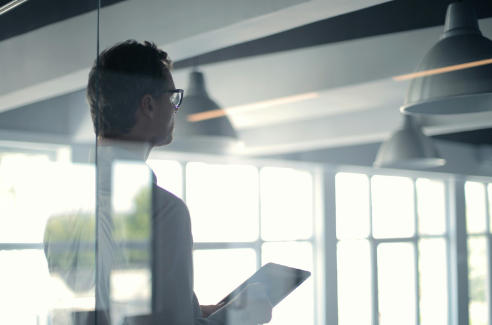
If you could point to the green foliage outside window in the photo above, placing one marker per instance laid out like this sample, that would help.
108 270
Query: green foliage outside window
63 232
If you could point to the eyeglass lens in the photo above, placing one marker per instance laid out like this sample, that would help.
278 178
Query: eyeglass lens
176 99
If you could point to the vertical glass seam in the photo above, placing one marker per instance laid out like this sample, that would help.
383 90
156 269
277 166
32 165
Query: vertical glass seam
488 295
96 242
447 238
374 263
259 241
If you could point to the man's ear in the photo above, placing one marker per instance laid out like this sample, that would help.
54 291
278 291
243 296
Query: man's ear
147 105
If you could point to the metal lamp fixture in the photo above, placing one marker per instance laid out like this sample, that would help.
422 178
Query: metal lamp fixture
214 135
408 147
455 77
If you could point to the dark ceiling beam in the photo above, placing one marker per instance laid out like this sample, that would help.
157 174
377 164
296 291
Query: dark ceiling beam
390 17
35 14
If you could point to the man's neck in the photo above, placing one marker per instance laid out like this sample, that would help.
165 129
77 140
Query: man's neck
139 149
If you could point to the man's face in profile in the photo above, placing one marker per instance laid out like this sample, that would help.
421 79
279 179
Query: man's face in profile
164 116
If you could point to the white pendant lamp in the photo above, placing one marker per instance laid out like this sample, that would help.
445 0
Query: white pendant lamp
214 135
455 77
408 147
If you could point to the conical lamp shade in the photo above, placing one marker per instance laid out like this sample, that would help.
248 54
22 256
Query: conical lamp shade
461 91
408 147
215 135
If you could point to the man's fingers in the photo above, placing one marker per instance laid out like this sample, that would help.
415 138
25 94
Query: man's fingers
208 310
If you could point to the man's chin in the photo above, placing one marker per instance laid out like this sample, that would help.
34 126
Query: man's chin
158 143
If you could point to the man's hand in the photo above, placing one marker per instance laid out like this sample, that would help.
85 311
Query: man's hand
208 310
254 303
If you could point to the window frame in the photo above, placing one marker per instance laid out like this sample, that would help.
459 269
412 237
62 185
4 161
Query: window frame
62 153
455 237
54 153
317 238
487 235
324 238
414 240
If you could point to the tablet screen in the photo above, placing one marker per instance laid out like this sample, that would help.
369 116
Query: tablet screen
279 282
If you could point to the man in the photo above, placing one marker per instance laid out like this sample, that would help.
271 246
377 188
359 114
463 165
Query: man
133 101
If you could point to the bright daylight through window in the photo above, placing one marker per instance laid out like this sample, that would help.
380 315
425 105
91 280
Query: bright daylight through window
386 269
478 203
234 237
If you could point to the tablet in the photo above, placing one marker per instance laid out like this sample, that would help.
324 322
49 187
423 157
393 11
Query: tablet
279 282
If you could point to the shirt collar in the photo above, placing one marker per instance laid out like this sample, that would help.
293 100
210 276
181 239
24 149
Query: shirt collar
109 152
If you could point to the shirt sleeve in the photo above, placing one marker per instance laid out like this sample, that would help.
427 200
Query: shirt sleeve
172 265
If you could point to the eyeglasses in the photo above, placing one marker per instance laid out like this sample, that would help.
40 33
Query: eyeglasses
176 97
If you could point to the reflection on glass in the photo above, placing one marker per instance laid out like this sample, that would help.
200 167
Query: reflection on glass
354 282
169 175
475 207
25 297
431 205
433 282
396 283
286 204
477 280
130 179
392 207
130 286
219 271
489 191
352 204
223 202
69 241
298 307
26 189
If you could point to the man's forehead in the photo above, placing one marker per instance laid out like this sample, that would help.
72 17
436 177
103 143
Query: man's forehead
169 79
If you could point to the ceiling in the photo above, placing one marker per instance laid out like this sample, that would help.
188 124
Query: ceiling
26 17
345 53
477 137
386 18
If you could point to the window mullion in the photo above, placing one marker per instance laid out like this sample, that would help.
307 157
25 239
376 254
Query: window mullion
489 256
374 263
259 241
20 246
416 254
183 180
224 245
458 250
330 263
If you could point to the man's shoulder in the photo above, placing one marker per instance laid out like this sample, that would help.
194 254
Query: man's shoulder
167 201
165 194
170 214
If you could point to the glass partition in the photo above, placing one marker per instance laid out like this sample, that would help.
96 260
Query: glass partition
47 182
211 163
209 218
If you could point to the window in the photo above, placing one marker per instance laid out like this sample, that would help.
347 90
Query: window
25 187
169 175
287 235
477 222
223 202
391 252
243 218
32 189
219 271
